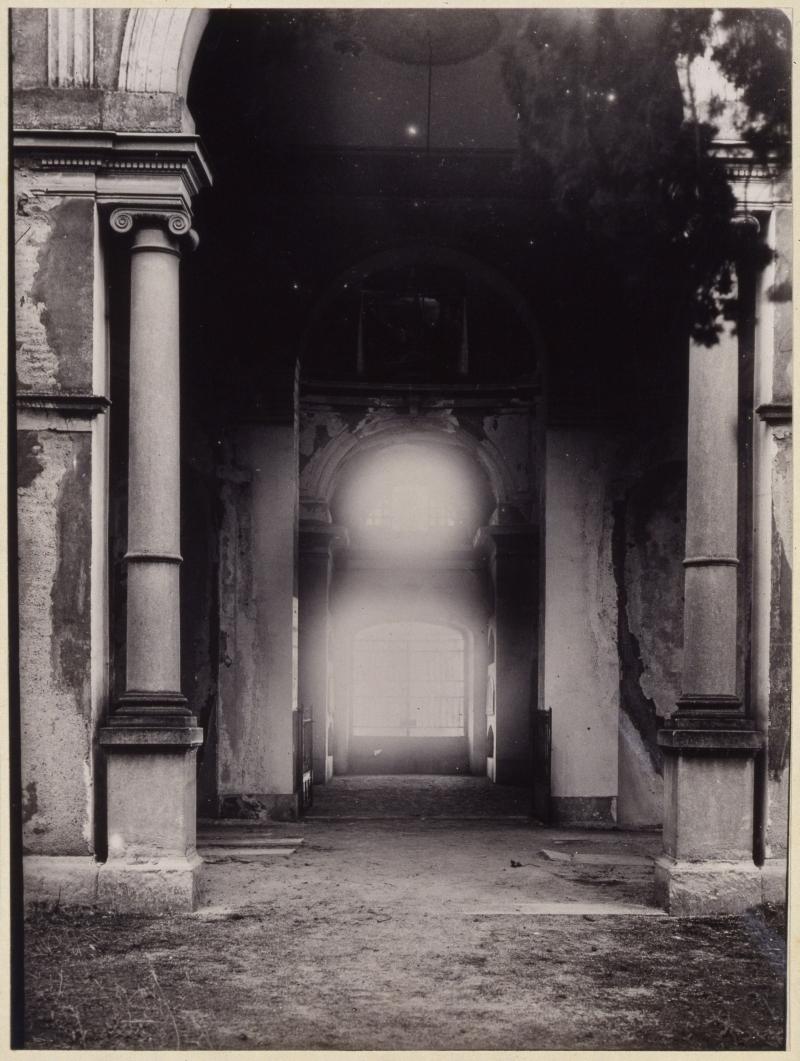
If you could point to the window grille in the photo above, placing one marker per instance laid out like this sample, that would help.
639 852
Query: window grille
408 681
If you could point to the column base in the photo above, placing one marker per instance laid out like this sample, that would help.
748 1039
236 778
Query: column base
158 886
706 889
152 865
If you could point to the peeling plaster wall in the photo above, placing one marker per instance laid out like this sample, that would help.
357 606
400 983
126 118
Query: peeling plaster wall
29 47
54 286
772 617
258 680
581 664
200 609
55 540
780 295
649 548
63 661
780 647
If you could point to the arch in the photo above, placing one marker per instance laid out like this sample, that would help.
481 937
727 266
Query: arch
159 48
323 472
372 620
429 254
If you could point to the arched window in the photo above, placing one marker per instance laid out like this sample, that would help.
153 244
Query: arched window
412 497
408 507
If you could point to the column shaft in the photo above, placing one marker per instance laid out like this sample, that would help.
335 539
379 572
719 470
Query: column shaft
153 647
707 865
710 608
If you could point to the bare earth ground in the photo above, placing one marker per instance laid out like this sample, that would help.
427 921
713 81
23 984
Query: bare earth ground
410 934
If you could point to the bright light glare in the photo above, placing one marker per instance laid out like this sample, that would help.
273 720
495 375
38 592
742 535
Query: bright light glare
408 681
411 498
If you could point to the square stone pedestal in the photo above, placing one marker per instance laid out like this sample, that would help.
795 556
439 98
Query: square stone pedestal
707 867
705 889
152 864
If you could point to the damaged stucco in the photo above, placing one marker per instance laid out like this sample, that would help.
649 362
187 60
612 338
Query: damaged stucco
55 536
54 281
781 298
503 444
649 536
780 646
581 667
257 678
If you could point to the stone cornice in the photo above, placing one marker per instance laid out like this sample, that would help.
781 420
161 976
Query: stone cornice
69 405
757 184
134 154
740 161
775 412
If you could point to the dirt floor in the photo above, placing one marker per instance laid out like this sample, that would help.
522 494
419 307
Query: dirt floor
422 933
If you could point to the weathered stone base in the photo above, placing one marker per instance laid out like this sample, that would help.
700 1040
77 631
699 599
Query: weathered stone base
59 880
279 807
584 812
703 889
162 886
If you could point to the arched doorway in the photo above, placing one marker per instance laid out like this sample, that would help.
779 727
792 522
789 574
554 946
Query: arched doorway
409 700
410 603
408 316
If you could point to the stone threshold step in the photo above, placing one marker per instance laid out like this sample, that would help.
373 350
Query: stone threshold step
583 858
211 840
416 818
568 909
239 854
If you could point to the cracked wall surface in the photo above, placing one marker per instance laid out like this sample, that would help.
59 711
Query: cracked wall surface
55 535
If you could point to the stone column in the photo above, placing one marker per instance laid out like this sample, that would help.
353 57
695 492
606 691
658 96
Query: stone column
317 544
151 739
512 558
709 745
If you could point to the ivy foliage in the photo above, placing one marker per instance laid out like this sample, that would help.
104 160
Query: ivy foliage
624 152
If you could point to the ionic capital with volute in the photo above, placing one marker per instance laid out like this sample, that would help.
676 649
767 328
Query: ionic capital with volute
176 222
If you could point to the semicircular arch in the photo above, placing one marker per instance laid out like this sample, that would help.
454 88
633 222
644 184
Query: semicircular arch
159 48
428 254
328 466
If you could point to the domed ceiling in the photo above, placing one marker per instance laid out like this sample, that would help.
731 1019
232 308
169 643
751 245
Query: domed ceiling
379 79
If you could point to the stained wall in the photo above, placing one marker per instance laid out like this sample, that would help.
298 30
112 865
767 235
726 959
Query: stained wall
61 455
